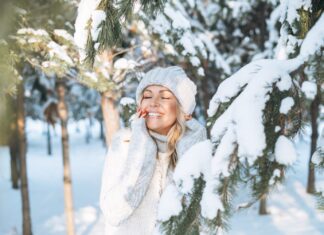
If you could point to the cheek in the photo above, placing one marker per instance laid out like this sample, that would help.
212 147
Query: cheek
172 112
143 104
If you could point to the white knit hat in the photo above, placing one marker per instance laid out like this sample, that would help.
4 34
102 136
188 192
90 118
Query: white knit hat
175 79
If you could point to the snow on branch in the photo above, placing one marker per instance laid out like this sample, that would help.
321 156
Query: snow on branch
245 112
178 29
243 133
99 22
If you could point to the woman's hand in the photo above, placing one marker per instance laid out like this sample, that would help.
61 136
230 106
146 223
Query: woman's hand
188 117
141 112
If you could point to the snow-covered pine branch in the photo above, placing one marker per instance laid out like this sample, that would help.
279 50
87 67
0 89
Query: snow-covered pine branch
56 54
43 52
245 134
9 75
186 36
255 113
99 24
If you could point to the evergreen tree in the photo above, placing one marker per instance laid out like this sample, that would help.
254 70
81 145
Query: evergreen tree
252 146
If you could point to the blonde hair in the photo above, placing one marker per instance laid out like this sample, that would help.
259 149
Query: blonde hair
175 134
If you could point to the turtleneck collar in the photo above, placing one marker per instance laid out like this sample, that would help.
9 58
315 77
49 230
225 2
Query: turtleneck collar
161 141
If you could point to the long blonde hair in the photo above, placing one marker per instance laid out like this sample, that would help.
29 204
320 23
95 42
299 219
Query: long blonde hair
175 134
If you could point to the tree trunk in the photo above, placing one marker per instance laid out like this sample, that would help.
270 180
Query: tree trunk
109 106
314 115
49 141
27 227
68 195
11 113
88 130
102 135
14 162
110 115
263 205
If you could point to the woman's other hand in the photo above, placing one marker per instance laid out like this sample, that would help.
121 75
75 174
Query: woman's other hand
188 117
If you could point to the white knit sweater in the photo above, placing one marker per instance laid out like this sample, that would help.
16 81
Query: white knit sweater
142 221
136 171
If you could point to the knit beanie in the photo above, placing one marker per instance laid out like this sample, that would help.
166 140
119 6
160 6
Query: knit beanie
175 79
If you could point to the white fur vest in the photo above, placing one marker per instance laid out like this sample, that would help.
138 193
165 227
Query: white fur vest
130 164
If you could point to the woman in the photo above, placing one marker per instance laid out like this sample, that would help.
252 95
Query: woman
140 161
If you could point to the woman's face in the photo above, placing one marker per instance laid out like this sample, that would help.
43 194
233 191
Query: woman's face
159 106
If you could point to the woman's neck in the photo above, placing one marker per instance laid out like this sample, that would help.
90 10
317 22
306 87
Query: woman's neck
161 141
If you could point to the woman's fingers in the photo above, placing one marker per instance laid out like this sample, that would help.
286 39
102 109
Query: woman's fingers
141 113
188 117
138 112
145 114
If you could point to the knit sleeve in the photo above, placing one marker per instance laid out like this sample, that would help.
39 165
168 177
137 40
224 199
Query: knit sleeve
127 173
112 203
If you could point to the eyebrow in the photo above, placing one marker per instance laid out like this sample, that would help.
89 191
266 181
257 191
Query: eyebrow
159 91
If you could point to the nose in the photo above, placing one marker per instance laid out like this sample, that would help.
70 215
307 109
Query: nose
154 102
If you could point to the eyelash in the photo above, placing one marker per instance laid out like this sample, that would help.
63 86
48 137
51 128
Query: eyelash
149 97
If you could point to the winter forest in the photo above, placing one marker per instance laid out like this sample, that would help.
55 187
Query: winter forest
68 74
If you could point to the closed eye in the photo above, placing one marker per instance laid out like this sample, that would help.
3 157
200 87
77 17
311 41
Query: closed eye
147 97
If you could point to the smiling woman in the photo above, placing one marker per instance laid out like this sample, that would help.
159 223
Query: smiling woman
159 107
141 160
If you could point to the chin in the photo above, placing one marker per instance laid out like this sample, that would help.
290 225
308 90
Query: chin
158 127
155 128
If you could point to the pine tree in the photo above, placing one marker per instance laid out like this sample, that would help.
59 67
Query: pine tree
268 92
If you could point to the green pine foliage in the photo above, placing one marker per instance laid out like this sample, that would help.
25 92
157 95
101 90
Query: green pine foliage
110 33
128 111
188 221
9 77
266 172
320 168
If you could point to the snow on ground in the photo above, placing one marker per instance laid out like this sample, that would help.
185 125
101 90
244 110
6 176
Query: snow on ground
46 183
292 211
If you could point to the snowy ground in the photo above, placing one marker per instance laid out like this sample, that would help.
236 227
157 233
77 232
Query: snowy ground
292 211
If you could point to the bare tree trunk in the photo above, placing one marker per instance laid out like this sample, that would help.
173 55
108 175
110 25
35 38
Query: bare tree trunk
13 141
102 135
14 161
27 227
109 106
88 130
314 115
68 194
49 140
110 114
263 205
